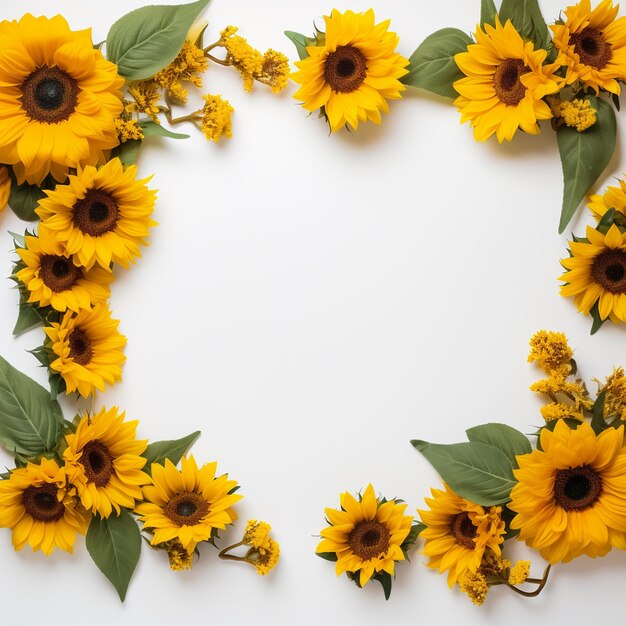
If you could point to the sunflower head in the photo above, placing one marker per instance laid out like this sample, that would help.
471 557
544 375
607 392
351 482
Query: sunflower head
103 459
366 535
40 507
353 71
569 493
187 506
458 532
59 99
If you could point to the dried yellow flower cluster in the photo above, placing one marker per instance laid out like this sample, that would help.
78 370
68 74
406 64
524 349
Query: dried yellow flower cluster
186 67
216 118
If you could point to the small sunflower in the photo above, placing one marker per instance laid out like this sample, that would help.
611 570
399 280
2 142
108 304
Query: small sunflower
570 496
103 460
36 503
593 44
59 98
366 535
89 349
596 273
505 81
354 72
101 215
612 198
52 277
458 533
188 505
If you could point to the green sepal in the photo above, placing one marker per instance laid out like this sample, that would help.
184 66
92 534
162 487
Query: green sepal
608 219
597 320
114 544
528 20
19 240
584 156
411 538
386 581
598 423
488 12
172 449
615 98
301 42
432 66
144 41
327 556
152 129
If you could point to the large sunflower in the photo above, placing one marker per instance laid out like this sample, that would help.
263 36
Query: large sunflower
36 503
189 505
366 535
570 498
101 215
103 460
353 73
505 81
458 532
89 349
52 278
596 273
593 44
58 99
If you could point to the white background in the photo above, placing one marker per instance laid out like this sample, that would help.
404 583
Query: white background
312 303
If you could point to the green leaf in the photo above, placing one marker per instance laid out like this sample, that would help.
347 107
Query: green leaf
598 423
414 533
152 129
327 556
385 579
488 12
475 471
584 156
30 421
114 545
432 66
301 42
528 21
597 320
608 219
24 200
145 40
127 152
173 450
507 439
19 240
28 317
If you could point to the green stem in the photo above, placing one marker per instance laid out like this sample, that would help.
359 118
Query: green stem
216 60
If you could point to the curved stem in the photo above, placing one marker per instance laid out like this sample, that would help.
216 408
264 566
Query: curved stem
216 60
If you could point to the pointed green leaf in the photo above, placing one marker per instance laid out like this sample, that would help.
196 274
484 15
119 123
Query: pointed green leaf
28 317
597 320
475 471
115 545
598 423
173 450
145 40
152 129
24 200
432 66
30 421
385 579
584 156
18 239
509 440
528 21
327 556
301 42
488 12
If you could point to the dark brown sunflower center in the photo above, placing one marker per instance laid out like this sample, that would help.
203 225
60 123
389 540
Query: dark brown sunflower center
96 213
369 539
345 69
80 347
58 273
49 95
186 509
577 488
507 83
463 530
42 503
98 463
609 270
591 48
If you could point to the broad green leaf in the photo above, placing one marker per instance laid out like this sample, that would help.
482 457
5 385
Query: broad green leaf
24 200
127 152
173 450
152 129
28 317
145 40
584 156
327 556
432 66
509 440
301 42
528 21
476 471
30 421
114 545
488 12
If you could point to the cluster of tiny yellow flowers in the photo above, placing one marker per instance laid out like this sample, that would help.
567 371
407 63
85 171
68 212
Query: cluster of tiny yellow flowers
475 586
578 114
519 572
615 394
128 130
146 98
558 410
179 558
549 350
186 67
256 534
264 551
216 118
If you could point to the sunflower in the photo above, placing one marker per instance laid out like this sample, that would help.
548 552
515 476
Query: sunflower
59 99
596 273
570 498
458 533
505 81
366 535
101 215
103 460
593 44
612 198
52 277
36 503
89 349
187 505
354 72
